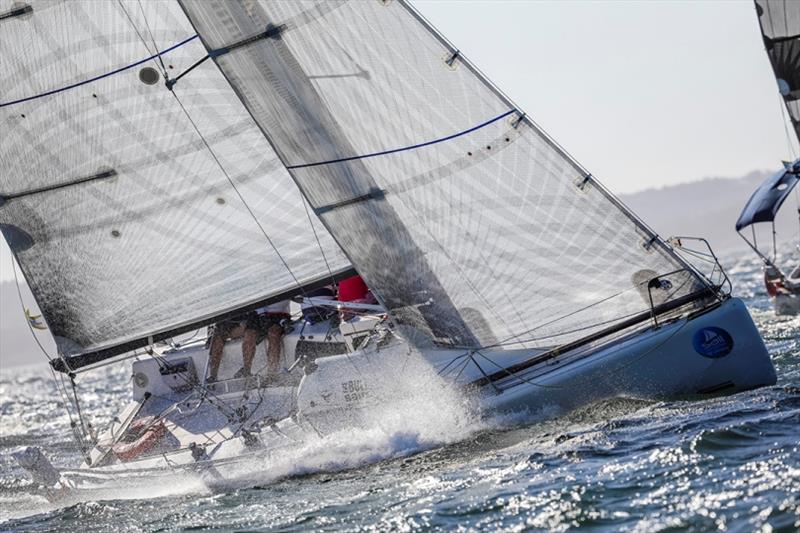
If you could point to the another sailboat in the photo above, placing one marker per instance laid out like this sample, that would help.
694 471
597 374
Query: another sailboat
149 191
779 21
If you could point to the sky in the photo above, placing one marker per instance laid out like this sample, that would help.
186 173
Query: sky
642 94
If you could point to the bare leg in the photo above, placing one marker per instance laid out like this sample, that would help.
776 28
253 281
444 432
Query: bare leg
249 348
275 335
215 355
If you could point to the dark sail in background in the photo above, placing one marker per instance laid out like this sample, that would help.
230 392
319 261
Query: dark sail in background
780 28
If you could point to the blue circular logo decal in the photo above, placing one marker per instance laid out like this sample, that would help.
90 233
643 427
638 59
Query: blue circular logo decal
712 342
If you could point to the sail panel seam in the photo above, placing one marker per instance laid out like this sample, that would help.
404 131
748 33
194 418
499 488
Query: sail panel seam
405 148
100 77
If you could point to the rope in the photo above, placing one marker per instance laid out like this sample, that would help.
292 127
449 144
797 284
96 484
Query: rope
319 243
206 394
241 197
214 155
155 46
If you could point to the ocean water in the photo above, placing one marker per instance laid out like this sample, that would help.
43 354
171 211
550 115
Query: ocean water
728 463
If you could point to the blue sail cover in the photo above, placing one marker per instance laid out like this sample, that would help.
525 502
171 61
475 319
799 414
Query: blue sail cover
768 198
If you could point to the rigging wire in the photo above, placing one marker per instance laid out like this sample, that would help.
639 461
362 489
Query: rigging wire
219 163
206 394
241 196
22 305
157 54
58 383
507 341
319 243
155 46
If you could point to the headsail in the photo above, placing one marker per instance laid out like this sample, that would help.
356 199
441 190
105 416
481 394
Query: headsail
131 210
467 220
780 29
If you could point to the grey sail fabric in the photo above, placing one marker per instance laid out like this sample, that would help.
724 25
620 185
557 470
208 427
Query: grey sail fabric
119 198
780 28
469 223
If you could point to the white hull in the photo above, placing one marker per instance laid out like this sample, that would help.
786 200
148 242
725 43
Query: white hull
716 352
783 290
661 365
655 364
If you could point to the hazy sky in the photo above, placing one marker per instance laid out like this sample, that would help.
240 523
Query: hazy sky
642 93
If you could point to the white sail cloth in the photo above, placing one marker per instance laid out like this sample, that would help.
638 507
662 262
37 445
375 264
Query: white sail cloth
124 221
468 222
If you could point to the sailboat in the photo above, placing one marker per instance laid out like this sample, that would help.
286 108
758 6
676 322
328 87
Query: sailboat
166 165
780 28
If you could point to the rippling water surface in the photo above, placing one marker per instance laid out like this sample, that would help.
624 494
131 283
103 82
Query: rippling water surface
725 463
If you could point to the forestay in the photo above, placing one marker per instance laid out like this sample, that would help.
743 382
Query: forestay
780 28
124 221
470 224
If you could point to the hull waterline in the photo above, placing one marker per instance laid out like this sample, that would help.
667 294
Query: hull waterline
718 351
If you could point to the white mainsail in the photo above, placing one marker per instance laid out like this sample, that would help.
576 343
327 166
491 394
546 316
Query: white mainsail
466 219
121 200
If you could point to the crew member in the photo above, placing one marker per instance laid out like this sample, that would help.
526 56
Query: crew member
222 331
265 321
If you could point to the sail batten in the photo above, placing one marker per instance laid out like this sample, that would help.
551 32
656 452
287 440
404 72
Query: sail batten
171 239
474 238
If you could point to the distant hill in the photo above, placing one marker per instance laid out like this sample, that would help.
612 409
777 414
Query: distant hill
706 208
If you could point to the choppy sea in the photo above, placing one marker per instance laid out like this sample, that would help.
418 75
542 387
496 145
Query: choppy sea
728 463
